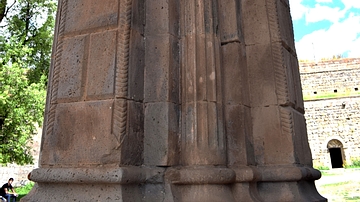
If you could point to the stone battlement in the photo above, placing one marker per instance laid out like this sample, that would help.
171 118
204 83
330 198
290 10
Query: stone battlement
330 78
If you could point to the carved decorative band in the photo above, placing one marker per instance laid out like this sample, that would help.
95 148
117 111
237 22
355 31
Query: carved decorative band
271 6
120 119
281 80
56 67
277 53
122 69
286 122
121 87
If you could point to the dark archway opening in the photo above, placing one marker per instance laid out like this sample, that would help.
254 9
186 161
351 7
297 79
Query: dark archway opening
336 157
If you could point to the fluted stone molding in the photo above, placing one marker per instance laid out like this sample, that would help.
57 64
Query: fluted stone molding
177 101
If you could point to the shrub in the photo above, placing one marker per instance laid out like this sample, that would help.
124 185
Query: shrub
355 163
320 167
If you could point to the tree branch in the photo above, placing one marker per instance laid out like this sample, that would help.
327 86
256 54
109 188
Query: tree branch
3 10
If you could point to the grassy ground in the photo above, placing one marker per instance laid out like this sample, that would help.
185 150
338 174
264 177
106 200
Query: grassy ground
22 191
340 185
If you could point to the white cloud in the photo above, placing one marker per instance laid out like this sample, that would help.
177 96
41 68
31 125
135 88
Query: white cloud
319 13
341 37
351 3
323 1
354 51
297 9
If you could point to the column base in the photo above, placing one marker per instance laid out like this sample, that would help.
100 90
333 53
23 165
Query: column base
182 184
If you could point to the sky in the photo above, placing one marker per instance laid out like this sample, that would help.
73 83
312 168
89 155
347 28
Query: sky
326 28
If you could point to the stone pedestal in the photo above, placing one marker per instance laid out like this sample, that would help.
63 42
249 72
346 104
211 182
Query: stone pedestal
174 101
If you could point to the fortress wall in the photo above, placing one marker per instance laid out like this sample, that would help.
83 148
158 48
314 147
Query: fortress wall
329 77
333 119
336 118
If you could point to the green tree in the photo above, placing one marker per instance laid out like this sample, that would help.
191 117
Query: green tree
26 33
21 109
31 24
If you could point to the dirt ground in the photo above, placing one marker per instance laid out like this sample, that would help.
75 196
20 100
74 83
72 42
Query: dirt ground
339 185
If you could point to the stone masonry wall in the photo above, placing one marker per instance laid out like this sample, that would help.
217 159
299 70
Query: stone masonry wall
329 77
332 118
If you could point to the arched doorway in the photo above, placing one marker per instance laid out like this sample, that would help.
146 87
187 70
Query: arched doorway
335 148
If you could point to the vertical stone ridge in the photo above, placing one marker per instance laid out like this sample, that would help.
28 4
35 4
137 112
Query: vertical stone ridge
122 66
202 84
56 68
188 78
282 90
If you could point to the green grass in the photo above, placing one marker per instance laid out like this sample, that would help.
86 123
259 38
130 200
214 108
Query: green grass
355 163
320 96
335 184
22 191
355 198
320 167
343 191
327 174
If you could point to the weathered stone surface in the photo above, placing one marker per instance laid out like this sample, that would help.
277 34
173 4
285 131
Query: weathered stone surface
272 132
101 67
174 101
161 64
136 64
91 127
235 74
230 21
71 71
161 18
239 140
132 142
256 25
161 142
85 15
261 75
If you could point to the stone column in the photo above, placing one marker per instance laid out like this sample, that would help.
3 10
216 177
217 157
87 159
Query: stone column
169 100
281 148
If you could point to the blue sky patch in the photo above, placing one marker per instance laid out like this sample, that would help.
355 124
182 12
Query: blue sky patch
324 29
334 3
301 28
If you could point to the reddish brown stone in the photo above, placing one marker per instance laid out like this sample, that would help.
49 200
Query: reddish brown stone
72 67
101 67
83 15
174 101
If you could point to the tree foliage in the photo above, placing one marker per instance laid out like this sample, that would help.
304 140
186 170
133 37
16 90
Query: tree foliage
26 33
21 109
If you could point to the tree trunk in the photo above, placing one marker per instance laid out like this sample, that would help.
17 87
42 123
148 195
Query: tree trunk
2 9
